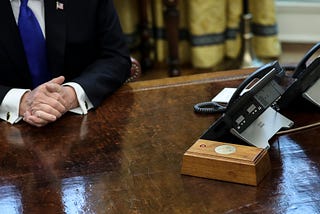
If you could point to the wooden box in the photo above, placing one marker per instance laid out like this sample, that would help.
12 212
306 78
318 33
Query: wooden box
226 162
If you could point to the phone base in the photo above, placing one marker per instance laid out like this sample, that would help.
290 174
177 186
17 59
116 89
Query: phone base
226 162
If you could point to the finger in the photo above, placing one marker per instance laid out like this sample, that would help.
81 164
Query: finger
49 110
31 120
54 107
47 95
58 80
41 93
44 102
54 87
50 106
56 95
34 120
57 92
45 116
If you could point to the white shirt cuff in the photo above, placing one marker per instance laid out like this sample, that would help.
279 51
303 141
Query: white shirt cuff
9 108
83 100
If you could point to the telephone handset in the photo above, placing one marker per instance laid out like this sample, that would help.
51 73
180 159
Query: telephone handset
213 107
249 115
302 65
265 73
307 80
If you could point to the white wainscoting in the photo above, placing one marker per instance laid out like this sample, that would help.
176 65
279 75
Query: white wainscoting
298 22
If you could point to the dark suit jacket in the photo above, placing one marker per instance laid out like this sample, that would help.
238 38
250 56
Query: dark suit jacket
84 43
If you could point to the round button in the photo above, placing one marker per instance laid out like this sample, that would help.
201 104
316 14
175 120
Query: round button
225 149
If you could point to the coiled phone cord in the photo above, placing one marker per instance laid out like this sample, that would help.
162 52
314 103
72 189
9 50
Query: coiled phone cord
212 107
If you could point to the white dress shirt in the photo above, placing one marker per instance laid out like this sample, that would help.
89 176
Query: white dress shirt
9 108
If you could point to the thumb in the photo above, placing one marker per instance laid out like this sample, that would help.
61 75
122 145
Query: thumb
54 85
58 80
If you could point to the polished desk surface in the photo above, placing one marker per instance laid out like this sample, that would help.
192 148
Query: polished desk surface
125 157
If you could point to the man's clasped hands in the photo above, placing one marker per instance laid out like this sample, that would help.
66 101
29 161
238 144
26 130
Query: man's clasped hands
48 102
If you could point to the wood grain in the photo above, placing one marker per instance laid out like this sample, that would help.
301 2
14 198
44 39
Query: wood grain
126 156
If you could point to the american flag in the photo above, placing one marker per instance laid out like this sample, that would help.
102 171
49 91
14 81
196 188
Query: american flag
59 5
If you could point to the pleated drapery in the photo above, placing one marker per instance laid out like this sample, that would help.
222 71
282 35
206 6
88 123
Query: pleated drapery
209 30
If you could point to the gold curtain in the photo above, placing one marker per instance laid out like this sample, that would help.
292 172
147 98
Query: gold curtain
209 30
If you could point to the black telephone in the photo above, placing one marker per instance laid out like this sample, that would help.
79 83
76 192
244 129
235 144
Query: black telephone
253 116
306 81
246 112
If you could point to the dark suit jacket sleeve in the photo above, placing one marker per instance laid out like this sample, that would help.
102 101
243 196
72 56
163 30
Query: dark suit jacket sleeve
85 43
111 63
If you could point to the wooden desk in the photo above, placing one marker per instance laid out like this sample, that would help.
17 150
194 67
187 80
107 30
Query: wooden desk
125 157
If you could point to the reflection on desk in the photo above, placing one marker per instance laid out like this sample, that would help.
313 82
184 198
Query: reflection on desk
125 157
